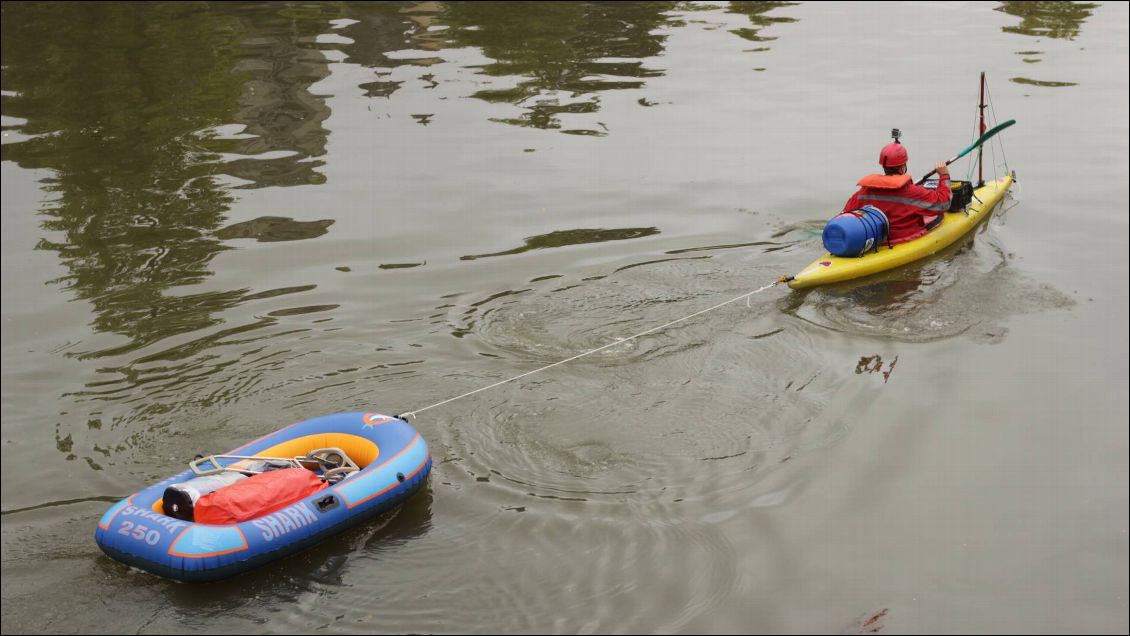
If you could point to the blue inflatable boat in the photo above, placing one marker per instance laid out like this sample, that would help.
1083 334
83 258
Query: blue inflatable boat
392 462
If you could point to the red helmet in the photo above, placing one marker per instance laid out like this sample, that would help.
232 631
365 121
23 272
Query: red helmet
893 155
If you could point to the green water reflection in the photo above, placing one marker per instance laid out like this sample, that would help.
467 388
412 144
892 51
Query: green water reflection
115 96
124 104
1045 83
564 53
756 12
563 238
1056 20
1059 20
272 229
383 27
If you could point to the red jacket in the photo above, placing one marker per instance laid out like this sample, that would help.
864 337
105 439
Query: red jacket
909 207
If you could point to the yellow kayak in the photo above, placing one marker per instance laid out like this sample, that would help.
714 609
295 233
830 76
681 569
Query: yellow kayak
836 269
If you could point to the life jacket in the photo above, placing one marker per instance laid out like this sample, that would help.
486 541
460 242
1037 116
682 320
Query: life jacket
911 209
884 181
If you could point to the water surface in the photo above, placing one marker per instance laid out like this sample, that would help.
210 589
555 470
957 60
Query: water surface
221 218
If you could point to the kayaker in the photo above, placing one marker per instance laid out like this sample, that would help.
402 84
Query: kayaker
911 209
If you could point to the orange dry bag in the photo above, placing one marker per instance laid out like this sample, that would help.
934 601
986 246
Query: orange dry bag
257 495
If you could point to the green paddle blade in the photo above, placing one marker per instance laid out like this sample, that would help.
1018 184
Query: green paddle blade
985 137
977 144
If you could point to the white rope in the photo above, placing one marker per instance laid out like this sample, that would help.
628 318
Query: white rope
412 414
999 141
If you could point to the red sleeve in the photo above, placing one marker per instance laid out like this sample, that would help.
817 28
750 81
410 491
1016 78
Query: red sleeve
934 202
853 202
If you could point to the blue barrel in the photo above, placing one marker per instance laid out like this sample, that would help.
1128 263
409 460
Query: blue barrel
855 232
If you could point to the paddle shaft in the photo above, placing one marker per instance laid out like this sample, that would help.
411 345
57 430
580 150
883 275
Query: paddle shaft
971 147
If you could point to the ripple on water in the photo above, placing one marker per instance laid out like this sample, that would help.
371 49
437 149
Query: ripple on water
969 290
727 389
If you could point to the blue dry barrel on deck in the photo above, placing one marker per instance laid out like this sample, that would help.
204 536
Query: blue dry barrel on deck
855 232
